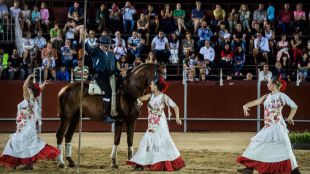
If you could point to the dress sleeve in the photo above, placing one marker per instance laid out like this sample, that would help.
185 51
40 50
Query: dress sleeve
170 102
288 101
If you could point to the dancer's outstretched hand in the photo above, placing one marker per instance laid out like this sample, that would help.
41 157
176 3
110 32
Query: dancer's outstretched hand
290 121
179 122
246 111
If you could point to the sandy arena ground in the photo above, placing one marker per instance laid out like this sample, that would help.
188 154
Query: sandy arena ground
208 153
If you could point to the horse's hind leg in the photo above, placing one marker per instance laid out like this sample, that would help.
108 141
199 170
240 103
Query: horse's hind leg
130 133
68 137
117 138
64 124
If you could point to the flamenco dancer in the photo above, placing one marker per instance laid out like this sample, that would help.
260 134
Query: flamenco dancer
25 147
157 151
270 150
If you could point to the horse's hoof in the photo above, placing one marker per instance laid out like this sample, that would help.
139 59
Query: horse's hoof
61 165
114 166
71 162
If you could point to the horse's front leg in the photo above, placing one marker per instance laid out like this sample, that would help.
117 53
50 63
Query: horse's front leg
117 138
130 133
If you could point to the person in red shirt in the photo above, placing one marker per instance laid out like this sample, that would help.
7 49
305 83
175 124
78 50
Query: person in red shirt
285 17
226 58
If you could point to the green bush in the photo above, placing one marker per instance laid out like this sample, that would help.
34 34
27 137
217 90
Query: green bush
297 137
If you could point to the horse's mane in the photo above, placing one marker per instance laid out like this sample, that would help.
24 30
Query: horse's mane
138 68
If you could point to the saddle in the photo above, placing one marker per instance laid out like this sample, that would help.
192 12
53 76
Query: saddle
94 88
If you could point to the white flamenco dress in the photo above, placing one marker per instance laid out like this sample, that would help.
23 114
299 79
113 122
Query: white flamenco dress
270 150
157 150
24 146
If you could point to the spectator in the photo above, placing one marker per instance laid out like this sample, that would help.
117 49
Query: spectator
285 62
39 41
296 44
76 9
114 17
265 75
120 51
15 67
270 35
104 36
151 58
174 46
62 74
118 40
280 72
70 30
35 18
226 58
78 71
308 48
3 61
260 15
197 16
102 17
204 33
45 14
4 13
178 16
122 66
160 47
143 26
303 67
220 35
283 47
15 10
256 29
244 17
188 43
219 15
232 20
208 53
56 36
249 76
137 62
49 57
153 19
300 18
239 60
202 66
239 38
135 44
271 14
167 24
67 54
25 18
91 40
261 47
202 77
285 17
28 45
128 21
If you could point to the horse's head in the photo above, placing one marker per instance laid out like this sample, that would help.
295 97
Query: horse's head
141 76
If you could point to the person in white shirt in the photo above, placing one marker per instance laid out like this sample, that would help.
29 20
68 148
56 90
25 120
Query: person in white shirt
128 11
119 51
118 39
261 46
265 75
160 47
39 41
15 10
208 53
92 40
28 45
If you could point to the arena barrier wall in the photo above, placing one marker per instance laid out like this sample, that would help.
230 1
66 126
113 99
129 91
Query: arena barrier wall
210 107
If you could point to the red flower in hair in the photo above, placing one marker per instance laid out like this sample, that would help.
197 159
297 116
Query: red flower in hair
36 87
283 84
165 84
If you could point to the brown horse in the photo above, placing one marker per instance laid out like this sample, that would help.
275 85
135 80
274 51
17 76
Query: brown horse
130 89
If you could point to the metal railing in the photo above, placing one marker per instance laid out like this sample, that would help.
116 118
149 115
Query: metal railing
7 29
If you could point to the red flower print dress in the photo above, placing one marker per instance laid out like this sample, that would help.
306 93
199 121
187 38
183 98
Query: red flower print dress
24 146
157 150
270 150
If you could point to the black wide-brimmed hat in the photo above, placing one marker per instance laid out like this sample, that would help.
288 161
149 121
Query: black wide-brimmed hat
105 40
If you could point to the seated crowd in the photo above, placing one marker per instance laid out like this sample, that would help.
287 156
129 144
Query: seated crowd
203 40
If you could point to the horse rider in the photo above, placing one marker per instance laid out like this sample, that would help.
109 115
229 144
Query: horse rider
104 63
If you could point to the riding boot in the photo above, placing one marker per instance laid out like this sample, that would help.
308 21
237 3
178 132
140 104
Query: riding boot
106 114
245 171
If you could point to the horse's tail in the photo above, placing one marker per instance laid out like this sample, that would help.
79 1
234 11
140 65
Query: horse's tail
62 96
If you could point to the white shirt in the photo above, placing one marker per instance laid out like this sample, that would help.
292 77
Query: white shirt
91 42
208 53
28 43
265 76
119 51
159 44
262 44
